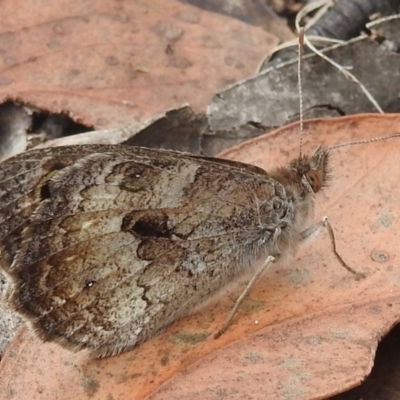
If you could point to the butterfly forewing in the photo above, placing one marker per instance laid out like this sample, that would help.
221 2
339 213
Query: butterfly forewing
124 242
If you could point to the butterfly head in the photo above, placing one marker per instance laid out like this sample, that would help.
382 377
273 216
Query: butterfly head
312 172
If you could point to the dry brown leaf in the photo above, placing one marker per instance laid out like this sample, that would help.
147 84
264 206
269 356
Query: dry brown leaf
317 327
383 382
107 64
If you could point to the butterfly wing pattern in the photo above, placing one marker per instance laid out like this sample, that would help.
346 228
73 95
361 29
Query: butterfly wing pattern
107 245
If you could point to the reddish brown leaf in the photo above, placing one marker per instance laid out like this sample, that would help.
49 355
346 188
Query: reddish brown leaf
109 63
317 327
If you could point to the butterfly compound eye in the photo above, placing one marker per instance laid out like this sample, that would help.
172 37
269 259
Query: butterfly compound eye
314 178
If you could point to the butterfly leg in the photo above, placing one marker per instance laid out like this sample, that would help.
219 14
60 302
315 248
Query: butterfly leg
239 301
304 235
325 223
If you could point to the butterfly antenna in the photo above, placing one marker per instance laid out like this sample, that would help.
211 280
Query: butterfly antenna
300 85
377 139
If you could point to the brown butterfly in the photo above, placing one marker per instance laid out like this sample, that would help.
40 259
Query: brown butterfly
107 245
